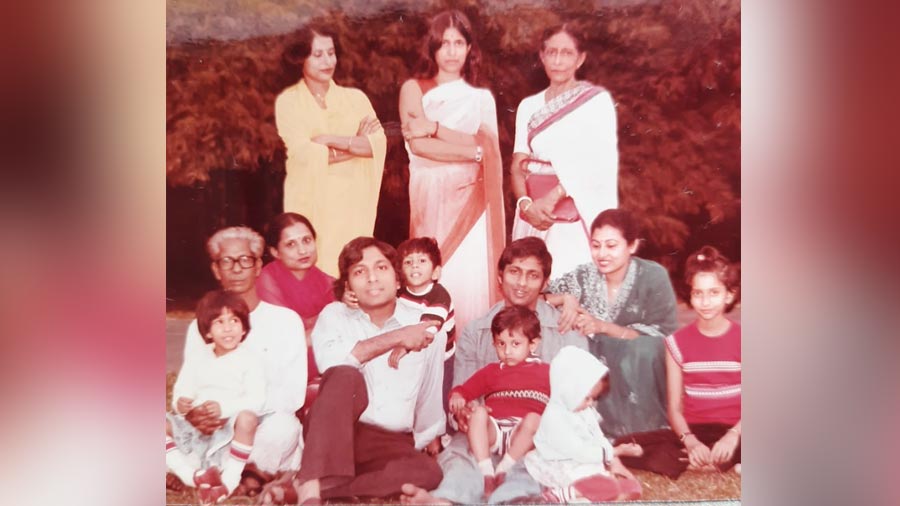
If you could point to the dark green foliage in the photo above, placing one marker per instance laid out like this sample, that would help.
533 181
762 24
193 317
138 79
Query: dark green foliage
673 68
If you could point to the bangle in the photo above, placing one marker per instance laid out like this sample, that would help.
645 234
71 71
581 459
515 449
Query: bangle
349 140
684 436
527 205
333 152
478 154
437 126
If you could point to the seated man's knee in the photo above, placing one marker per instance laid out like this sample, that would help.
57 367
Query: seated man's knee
431 474
246 421
342 374
279 428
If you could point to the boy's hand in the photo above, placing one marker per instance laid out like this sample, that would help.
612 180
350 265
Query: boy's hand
398 353
456 403
183 405
350 299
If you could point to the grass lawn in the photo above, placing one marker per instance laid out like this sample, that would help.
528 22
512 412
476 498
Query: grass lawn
690 486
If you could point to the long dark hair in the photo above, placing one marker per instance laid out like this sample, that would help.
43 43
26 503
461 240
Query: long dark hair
427 66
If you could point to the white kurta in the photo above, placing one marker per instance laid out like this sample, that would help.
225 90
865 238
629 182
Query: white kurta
278 337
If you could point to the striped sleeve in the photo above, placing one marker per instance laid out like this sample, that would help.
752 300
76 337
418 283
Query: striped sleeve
672 346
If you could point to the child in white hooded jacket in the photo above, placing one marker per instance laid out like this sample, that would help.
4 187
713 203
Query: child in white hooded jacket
572 459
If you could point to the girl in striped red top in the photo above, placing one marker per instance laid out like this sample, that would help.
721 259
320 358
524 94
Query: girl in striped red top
703 366
703 376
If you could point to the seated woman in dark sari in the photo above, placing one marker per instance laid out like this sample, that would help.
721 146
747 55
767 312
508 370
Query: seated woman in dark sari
626 307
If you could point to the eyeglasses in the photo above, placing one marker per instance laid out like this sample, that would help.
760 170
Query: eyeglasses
245 261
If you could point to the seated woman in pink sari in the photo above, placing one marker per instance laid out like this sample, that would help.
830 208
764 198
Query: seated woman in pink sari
567 131
292 279
455 172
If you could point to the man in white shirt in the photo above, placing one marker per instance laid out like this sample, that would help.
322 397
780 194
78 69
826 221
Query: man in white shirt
523 273
276 335
374 412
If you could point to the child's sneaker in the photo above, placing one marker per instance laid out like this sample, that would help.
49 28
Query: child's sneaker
209 495
209 476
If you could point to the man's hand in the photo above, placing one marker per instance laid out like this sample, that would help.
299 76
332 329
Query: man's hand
417 337
462 416
397 353
433 448
568 312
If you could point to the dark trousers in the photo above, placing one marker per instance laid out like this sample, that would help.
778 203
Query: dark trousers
665 454
351 458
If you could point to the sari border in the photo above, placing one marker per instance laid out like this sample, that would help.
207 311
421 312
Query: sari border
559 107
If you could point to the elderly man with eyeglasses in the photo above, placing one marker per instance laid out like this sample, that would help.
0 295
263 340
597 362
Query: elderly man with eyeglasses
277 335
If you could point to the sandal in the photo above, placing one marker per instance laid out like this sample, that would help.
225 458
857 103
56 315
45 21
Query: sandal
281 491
252 482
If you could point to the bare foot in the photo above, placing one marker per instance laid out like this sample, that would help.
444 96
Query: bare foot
628 450
416 495
308 491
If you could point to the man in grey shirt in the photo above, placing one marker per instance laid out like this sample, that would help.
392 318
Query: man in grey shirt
524 271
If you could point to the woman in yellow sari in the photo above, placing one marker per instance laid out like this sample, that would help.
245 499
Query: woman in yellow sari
455 171
335 148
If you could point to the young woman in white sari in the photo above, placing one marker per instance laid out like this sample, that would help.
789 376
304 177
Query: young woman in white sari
455 172
569 131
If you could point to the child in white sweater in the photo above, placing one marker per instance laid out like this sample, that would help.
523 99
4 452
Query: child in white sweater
227 381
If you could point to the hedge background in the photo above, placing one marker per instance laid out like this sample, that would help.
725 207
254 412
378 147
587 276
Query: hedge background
673 68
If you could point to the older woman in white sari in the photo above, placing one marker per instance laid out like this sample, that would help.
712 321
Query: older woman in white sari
565 147
455 172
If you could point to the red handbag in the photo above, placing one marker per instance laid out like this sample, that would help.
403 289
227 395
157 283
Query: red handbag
538 185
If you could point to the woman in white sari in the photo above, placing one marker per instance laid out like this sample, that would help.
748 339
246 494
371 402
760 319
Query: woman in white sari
455 172
567 131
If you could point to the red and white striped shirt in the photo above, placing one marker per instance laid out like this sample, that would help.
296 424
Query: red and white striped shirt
711 373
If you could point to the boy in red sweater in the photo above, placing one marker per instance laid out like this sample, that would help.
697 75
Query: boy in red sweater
516 390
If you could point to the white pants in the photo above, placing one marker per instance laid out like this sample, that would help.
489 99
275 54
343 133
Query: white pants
278 444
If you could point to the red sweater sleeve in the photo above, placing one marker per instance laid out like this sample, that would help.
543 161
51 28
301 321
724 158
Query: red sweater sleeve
477 385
